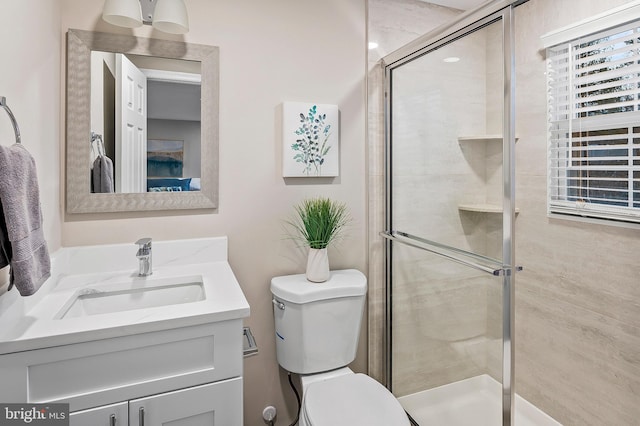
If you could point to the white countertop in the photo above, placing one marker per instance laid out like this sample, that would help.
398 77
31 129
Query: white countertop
33 322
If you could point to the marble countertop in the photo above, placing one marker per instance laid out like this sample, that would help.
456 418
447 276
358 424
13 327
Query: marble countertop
35 322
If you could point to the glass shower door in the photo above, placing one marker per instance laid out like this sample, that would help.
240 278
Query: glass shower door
449 220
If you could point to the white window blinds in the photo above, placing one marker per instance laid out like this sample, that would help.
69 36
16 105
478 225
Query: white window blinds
594 125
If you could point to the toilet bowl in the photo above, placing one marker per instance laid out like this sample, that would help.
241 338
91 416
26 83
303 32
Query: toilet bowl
349 399
317 329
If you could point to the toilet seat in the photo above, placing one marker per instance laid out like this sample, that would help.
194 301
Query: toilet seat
352 399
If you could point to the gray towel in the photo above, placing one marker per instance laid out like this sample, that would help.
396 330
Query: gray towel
22 244
102 175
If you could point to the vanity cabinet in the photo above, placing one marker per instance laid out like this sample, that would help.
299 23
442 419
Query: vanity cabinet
199 405
177 357
214 403
184 376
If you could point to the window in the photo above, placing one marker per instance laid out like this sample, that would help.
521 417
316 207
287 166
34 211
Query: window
594 125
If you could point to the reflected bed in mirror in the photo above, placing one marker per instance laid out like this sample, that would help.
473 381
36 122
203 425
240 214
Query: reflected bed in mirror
142 115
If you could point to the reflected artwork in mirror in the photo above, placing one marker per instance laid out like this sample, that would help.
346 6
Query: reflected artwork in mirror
142 124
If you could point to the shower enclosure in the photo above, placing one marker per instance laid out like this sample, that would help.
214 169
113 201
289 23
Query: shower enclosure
450 217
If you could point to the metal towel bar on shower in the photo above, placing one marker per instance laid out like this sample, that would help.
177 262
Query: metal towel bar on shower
473 260
3 104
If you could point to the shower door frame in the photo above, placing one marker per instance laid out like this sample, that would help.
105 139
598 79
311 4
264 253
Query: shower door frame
499 11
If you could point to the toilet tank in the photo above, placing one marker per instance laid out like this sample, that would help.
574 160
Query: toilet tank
318 324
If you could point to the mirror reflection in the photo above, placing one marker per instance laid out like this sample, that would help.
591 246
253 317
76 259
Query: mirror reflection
145 124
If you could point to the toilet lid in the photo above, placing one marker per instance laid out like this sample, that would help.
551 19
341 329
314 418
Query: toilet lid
353 399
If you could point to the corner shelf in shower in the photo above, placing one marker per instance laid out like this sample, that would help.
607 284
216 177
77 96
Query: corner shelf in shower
483 208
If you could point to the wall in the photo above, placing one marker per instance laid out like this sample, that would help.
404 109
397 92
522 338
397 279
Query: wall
30 80
270 52
99 62
577 301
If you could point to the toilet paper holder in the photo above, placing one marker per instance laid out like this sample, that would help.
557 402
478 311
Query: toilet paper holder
249 346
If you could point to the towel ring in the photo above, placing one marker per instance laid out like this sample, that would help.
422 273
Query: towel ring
3 104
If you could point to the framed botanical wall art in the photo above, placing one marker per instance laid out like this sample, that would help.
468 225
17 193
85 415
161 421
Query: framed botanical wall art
310 145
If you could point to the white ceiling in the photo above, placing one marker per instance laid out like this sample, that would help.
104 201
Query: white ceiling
457 4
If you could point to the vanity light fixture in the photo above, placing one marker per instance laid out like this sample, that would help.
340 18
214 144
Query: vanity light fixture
169 16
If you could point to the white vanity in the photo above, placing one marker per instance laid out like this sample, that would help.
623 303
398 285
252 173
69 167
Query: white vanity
129 350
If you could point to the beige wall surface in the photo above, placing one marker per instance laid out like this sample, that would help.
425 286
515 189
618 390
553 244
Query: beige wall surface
30 80
270 52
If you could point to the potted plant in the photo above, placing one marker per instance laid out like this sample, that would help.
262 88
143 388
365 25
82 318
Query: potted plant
318 223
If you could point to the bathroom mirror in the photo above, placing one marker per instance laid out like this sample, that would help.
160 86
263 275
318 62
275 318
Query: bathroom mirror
166 158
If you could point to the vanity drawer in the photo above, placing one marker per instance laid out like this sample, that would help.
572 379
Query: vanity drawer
112 370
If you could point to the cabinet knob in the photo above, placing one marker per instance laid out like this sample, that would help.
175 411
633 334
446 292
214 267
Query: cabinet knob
112 420
141 416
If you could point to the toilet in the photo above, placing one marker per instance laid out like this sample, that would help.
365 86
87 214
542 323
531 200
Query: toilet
317 327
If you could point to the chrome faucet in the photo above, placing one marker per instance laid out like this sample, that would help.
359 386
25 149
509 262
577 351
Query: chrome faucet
144 257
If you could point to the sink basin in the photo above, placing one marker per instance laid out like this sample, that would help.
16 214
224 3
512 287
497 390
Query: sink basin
128 296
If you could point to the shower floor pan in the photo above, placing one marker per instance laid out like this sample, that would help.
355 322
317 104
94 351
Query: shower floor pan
471 402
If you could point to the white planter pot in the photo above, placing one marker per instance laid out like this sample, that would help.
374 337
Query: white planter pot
317 265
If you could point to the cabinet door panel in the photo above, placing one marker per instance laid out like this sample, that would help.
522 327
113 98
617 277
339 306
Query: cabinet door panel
217 403
107 415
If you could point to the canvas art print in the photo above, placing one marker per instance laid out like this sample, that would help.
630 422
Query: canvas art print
164 158
310 140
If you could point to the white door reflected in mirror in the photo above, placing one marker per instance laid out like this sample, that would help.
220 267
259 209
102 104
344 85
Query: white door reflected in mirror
131 127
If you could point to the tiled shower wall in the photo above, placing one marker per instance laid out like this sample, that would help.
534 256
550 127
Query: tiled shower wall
578 300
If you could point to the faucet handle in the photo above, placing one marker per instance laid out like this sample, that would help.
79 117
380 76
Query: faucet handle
144 256
144 243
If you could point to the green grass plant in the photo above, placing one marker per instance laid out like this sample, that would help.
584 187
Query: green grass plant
319 221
